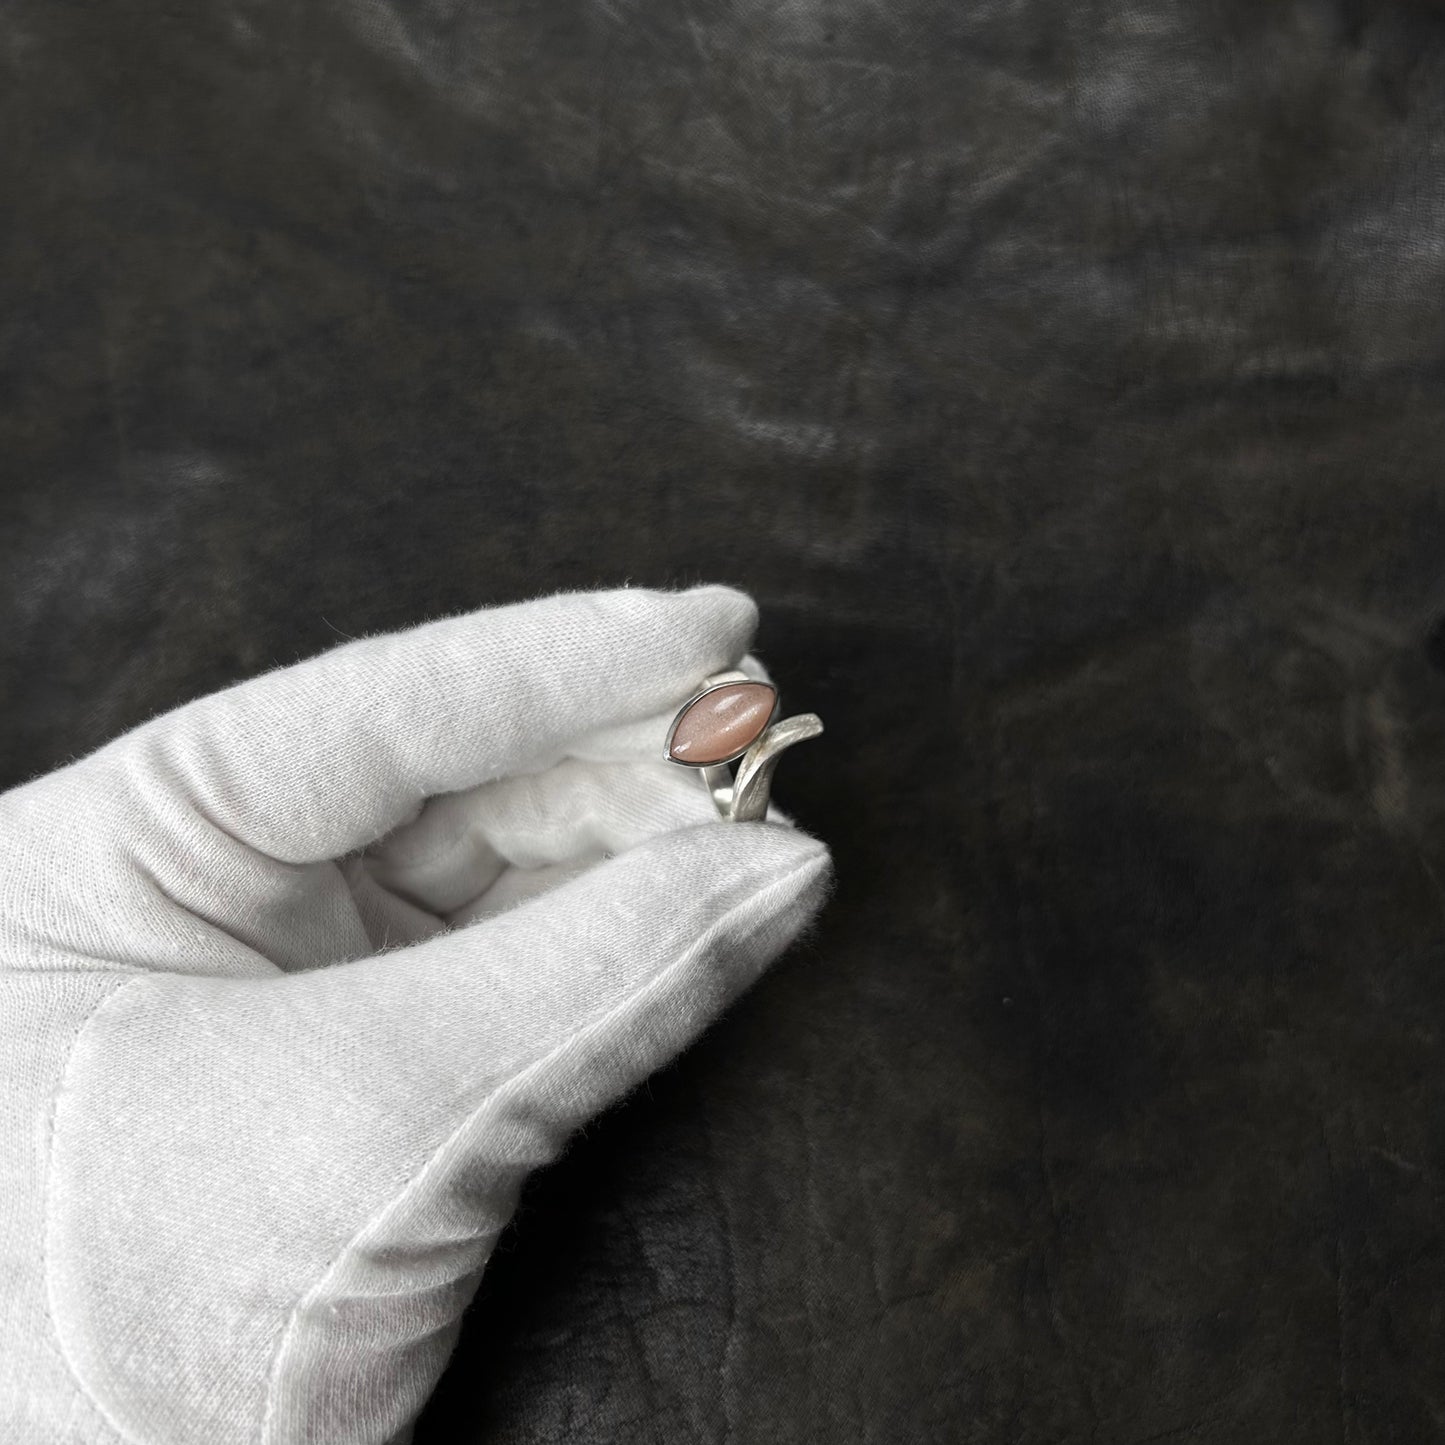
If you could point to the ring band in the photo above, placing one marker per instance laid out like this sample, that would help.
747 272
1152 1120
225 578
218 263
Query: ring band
730 719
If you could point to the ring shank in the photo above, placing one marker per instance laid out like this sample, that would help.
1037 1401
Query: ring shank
719 781
744 798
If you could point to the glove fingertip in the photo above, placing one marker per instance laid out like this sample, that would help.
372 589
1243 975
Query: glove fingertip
755 858
727 612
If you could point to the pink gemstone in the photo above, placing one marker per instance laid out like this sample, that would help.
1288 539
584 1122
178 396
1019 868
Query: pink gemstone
722 724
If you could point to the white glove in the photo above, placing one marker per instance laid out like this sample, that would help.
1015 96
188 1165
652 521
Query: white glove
264 1105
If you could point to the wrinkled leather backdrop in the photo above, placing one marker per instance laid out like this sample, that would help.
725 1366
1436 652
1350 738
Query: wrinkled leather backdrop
1067 380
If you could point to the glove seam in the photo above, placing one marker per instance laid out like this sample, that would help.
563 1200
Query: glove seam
500 1092
86 1395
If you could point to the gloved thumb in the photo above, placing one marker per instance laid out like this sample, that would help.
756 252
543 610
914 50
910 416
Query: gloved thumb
340 1148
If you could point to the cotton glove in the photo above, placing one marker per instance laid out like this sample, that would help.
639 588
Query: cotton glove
298 982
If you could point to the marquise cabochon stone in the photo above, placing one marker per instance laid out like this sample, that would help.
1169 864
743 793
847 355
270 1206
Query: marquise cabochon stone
722 724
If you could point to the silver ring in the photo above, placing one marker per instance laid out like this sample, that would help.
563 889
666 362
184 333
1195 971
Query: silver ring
730 717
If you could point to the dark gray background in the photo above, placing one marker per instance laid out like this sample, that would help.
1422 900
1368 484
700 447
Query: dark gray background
1067 381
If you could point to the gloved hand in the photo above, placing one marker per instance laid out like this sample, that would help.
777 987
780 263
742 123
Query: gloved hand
298 982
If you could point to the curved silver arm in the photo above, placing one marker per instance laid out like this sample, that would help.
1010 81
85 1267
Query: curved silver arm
744 799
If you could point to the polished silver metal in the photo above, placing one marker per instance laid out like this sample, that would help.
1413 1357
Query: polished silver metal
744 798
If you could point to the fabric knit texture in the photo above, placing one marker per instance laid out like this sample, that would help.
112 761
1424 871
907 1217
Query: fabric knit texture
1065 380
299 982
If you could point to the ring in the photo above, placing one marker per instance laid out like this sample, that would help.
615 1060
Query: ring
731 717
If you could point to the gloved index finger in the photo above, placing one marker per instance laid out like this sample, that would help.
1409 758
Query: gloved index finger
313 761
